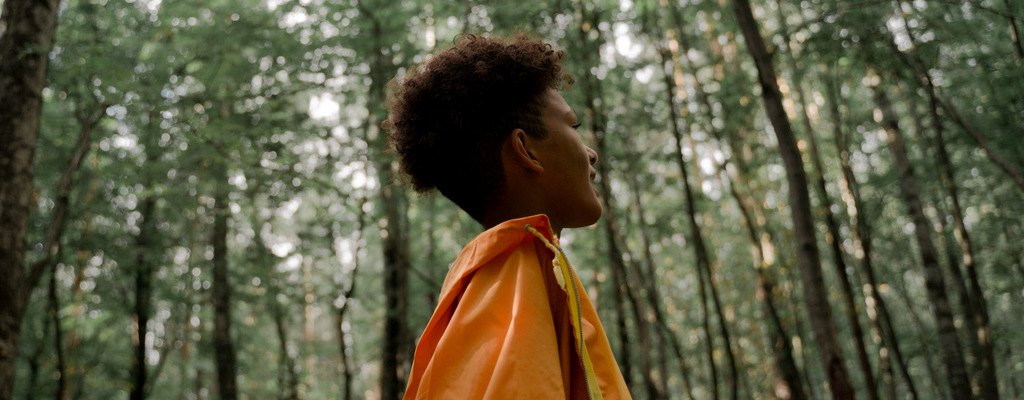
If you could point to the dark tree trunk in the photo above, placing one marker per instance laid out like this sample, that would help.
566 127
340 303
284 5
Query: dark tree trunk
860 231
695 234
982 331
143 287
989 384
223 344
592 92
799 200
24 45
934 283
782 349
648 279
346 364
288 376
58 338
395 344
396 267
835 242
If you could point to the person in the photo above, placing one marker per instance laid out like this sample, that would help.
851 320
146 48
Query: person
484 123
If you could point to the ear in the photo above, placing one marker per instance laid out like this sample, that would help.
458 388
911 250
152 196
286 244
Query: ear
521 149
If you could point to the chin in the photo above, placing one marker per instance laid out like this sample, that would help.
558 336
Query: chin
587 215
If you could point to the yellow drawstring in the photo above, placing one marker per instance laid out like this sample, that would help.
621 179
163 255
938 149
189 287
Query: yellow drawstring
563 273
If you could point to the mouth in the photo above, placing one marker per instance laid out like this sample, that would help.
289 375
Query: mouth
593 175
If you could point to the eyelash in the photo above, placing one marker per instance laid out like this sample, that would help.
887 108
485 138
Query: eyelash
577 125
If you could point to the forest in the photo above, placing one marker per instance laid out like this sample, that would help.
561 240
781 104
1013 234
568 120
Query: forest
803 200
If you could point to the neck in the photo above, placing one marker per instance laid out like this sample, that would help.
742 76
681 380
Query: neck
510 210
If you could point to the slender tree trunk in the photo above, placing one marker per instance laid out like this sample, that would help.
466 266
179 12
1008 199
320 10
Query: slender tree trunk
799 199
223 344
24 45
695 235
922 333
789 386
982 332
989 383
143 287
861 234
58 337
647 278
346 364
394 346
288 376
782 349
934 282
396 267
619 276
835 242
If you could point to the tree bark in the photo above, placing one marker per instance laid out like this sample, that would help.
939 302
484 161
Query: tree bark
143 287
790 386
24 45
934 282
618 269
58 337
695 234
396 267
394 348
989 384
835 242
347 293
982 332
222 342
799 199
860 231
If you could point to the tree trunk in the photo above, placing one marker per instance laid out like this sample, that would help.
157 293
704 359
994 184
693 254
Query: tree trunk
695 234
288 376
24 45
143 287
346 365
647 278
58 337
782 349
934 283
223 345
592 92
860 231
989 384
835 241
396 267
799 200
394 346
982 332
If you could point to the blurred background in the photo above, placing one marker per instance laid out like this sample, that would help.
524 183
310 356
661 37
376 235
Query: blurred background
215 215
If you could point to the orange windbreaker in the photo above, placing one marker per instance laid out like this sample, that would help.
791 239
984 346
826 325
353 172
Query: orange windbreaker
508 323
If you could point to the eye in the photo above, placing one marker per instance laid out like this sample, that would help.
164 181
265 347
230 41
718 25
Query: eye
576 125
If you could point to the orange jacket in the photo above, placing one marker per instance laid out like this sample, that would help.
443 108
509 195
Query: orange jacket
506 326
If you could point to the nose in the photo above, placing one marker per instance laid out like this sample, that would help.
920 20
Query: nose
593 155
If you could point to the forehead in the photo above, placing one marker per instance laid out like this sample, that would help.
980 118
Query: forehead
555 104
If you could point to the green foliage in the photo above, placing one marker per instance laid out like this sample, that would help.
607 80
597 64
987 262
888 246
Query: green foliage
275 102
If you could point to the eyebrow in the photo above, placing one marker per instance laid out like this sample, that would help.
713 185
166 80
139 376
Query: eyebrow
572 111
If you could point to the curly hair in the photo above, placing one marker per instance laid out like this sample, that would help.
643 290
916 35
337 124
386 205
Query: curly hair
449 117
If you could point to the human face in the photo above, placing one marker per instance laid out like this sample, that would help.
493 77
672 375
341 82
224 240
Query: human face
571 200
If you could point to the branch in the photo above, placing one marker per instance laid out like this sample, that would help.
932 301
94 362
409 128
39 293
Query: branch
995 158
1003 14
63 190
